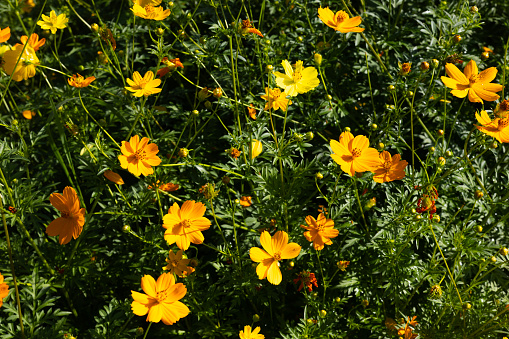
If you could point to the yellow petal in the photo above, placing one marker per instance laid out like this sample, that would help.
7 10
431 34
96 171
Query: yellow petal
274 275
453 72
258 255
488 75
460 93
279 241
471 69
290 251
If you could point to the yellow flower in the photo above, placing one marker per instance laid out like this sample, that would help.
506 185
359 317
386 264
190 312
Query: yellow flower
113 177
275 99
476 85
176 265
151 12
161 300
5 34
297 81
274 249
247 334
354 154
34 41
143 86
79 81
144 3
70 224
53 22
4 290
339 21
26 65
184 225
389 168
138 157
320 231
498 128
256 148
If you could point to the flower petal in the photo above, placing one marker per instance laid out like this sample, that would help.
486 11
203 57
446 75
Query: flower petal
274 275
471 69
453 72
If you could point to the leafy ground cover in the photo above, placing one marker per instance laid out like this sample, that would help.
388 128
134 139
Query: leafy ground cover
278 169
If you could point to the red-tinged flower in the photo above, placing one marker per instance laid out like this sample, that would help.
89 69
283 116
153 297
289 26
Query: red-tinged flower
171 65
79 81
70 224
306 279
252 111
161 300
343 264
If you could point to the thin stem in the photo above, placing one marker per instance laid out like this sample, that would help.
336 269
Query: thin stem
148 328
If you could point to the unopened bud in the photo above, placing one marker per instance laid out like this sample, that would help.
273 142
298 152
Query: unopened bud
126 229
318 59
424 66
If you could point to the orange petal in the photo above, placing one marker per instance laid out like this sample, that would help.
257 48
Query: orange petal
290 251
279 241
471 69
488 75
274 275
148 285
453 72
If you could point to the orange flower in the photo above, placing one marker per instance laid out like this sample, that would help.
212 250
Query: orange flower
34 41
252 112
176 265
247 334
138 157
477 85
307 279
161 300
340 21
274 249
70 224
5 34
275 99
498 128
4 289
171 65
320 231
234 153
390 168
354 154
245 201
79 81
114 177
184 225
404 68
27 5
343 264
247 27
28 114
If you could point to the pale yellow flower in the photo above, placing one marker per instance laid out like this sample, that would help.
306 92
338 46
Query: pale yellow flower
297 80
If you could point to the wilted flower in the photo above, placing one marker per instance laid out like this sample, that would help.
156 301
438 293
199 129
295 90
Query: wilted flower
427 201
171 65
306 279
297 80
404 68
343 264
252 112
274 249
234 153
340 21
53 22
79 81
27 5
107 36
247 27
72 217
245 201
203 94
209 191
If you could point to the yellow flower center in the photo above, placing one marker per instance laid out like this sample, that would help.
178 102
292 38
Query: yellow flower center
341 16
356 153
142 83
473 79
387 165
297 76
185 223
149 9
161 295
502 123
277 256
140 154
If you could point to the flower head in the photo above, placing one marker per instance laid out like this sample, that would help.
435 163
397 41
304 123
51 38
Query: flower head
320 231
25 68
274 249
340 21
275 99
245 201
28 114
404 68
27 5
476 85
176 265
79 81
151 12
34 41
247 27
297 80
4 290
497 128
53 22
72 217
161 300
247 334
354 154
143 86
5 34
251 111
343 264
184 225
427 201
113 177
138 157
168 187
306 279
389 168
256 148
144 3
171 65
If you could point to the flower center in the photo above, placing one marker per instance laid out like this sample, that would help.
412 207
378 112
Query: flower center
174 263
473 79
387 165
356 153
341 16
149 9
277 256
502 123
185 223
140 154
320 228
65 214
161 295
297 76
